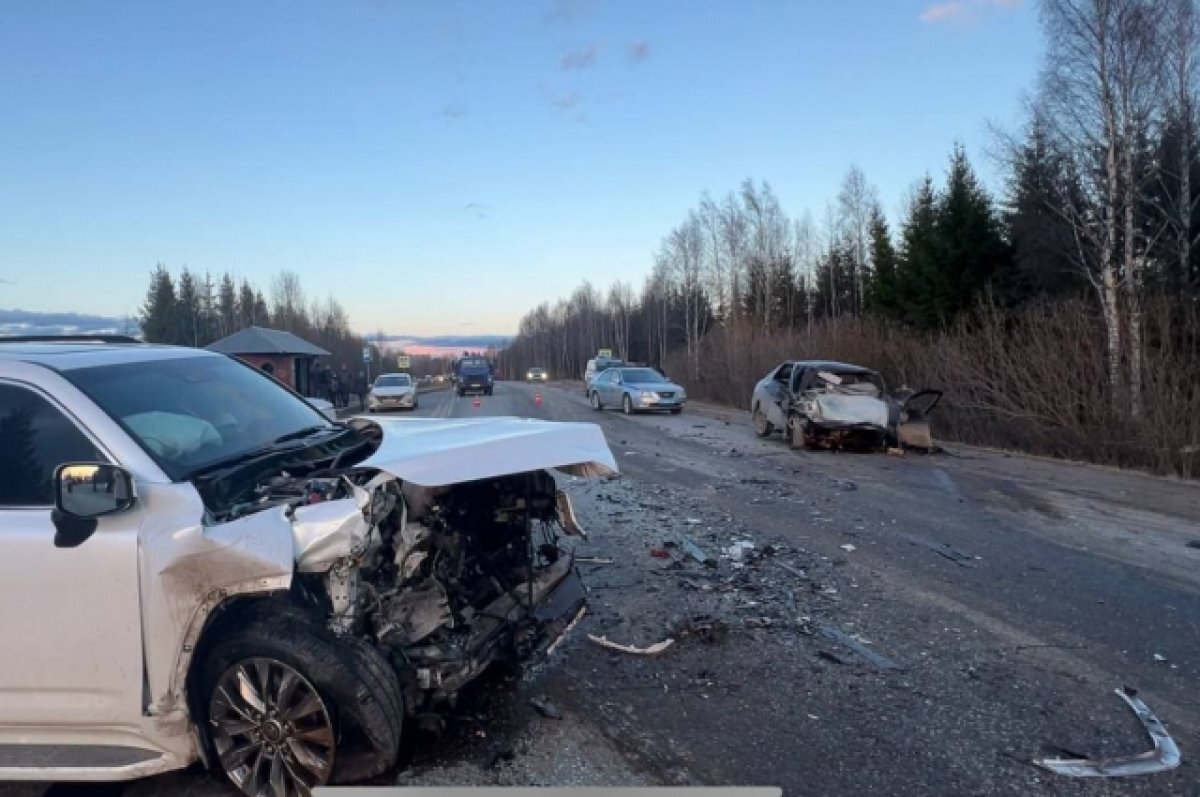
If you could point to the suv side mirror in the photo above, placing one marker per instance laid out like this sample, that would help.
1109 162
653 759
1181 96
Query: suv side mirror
84 491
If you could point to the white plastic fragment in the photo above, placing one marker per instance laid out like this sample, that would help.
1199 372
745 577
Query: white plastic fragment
1162 757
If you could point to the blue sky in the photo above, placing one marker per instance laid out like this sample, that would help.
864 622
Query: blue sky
441 167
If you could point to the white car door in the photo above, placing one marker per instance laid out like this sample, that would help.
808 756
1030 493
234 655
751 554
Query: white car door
775 391
71 624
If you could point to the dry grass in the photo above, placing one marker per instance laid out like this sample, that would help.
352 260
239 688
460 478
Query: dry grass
1032 382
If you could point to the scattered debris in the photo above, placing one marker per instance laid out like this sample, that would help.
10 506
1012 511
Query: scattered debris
848 548
1162 757
836 658
693 521
593 560
859 648
895 452
660 553
1160 657
546 708
696 552
704 627
653 650
739 549
1194 544
794 571
958 557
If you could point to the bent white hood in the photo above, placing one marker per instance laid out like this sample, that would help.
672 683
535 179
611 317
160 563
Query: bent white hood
433 452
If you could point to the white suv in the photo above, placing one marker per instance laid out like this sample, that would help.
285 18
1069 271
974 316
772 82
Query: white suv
196 563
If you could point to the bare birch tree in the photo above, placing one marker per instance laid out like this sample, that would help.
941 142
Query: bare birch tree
1081 105
854 206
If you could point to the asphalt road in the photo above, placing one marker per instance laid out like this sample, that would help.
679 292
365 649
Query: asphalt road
923 625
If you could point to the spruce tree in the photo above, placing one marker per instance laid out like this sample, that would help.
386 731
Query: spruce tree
158 317
971 250
189 310
881 290
918 292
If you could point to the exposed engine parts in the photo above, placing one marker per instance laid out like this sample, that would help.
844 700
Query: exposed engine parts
442 581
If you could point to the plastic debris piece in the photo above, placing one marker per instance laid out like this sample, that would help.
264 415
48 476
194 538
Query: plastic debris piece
653 650
660 553
1162 757
738 549
848 548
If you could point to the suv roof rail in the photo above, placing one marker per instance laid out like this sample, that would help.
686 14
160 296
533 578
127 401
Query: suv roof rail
68 339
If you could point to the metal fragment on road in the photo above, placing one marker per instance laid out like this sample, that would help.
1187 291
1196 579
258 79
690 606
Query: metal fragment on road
862 651
546 708
653 650
696 552
1162 757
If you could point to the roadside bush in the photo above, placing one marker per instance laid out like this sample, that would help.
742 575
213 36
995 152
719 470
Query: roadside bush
1032 381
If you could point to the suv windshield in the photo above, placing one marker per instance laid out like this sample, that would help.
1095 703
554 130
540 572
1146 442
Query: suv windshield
193 412
392 381
641 376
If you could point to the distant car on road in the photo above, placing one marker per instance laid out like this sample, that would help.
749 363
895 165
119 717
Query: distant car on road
823 404
636 390
392 392
536 375
595 366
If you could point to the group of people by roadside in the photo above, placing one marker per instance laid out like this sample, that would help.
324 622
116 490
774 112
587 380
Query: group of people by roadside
338 386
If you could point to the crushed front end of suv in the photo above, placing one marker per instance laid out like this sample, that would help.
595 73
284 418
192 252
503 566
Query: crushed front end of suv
225 574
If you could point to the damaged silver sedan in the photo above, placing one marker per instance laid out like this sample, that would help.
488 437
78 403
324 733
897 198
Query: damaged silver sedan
213 570
823 404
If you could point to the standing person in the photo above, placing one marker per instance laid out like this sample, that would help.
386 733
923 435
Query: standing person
323 389
335 393
360 390
345 383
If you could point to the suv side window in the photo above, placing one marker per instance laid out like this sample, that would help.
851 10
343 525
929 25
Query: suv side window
36 437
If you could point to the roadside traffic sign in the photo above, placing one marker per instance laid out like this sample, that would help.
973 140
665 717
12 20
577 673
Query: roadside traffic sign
366 354
402 362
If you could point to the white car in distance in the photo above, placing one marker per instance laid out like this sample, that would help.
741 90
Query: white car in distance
393 392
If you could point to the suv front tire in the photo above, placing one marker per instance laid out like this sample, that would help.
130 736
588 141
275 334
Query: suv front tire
288 706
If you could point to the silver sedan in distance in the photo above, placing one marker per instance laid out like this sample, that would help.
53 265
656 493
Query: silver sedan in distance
392 392
636 390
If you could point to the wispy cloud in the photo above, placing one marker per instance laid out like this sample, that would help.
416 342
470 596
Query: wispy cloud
453 110
944 12
637 51
567 11
580 58
481 210
965 12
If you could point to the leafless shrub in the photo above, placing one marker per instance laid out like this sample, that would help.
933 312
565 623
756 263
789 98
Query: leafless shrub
1034 381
